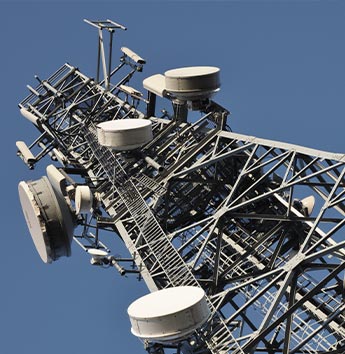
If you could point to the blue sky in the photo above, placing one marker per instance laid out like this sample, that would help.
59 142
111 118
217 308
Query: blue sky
283 78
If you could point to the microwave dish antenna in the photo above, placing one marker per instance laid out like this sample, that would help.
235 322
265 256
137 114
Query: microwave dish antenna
124 134
240 240
50 222
192 83
169 315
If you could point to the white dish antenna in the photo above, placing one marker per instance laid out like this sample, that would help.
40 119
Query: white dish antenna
169 315
308 204
83 199
124 134
155 84
192 83
185 84
56 179
97 255
49 219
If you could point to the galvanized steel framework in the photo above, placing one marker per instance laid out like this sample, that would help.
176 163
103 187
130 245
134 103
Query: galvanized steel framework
224 212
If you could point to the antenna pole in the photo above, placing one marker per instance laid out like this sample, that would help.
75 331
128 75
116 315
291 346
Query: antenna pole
110 26
111 32
104 65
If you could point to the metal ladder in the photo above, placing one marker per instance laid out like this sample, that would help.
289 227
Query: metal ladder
149 184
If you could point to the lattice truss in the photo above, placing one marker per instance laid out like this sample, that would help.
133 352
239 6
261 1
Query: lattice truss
223 211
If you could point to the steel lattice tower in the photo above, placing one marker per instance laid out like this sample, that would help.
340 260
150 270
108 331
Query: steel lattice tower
204 206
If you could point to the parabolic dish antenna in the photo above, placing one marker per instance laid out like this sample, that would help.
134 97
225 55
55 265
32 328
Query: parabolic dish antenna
191 83
124 134
169 315
48 217
83 199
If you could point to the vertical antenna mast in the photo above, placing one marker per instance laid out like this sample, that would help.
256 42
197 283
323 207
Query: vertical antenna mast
110 26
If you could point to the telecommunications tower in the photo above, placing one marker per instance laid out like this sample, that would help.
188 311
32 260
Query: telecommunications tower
240 240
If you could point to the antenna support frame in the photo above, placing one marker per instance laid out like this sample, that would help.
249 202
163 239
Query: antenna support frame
110 26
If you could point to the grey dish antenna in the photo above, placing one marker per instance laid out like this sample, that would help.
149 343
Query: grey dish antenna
49 218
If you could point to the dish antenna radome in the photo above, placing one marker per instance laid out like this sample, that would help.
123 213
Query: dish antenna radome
124 134
169 315
50 221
